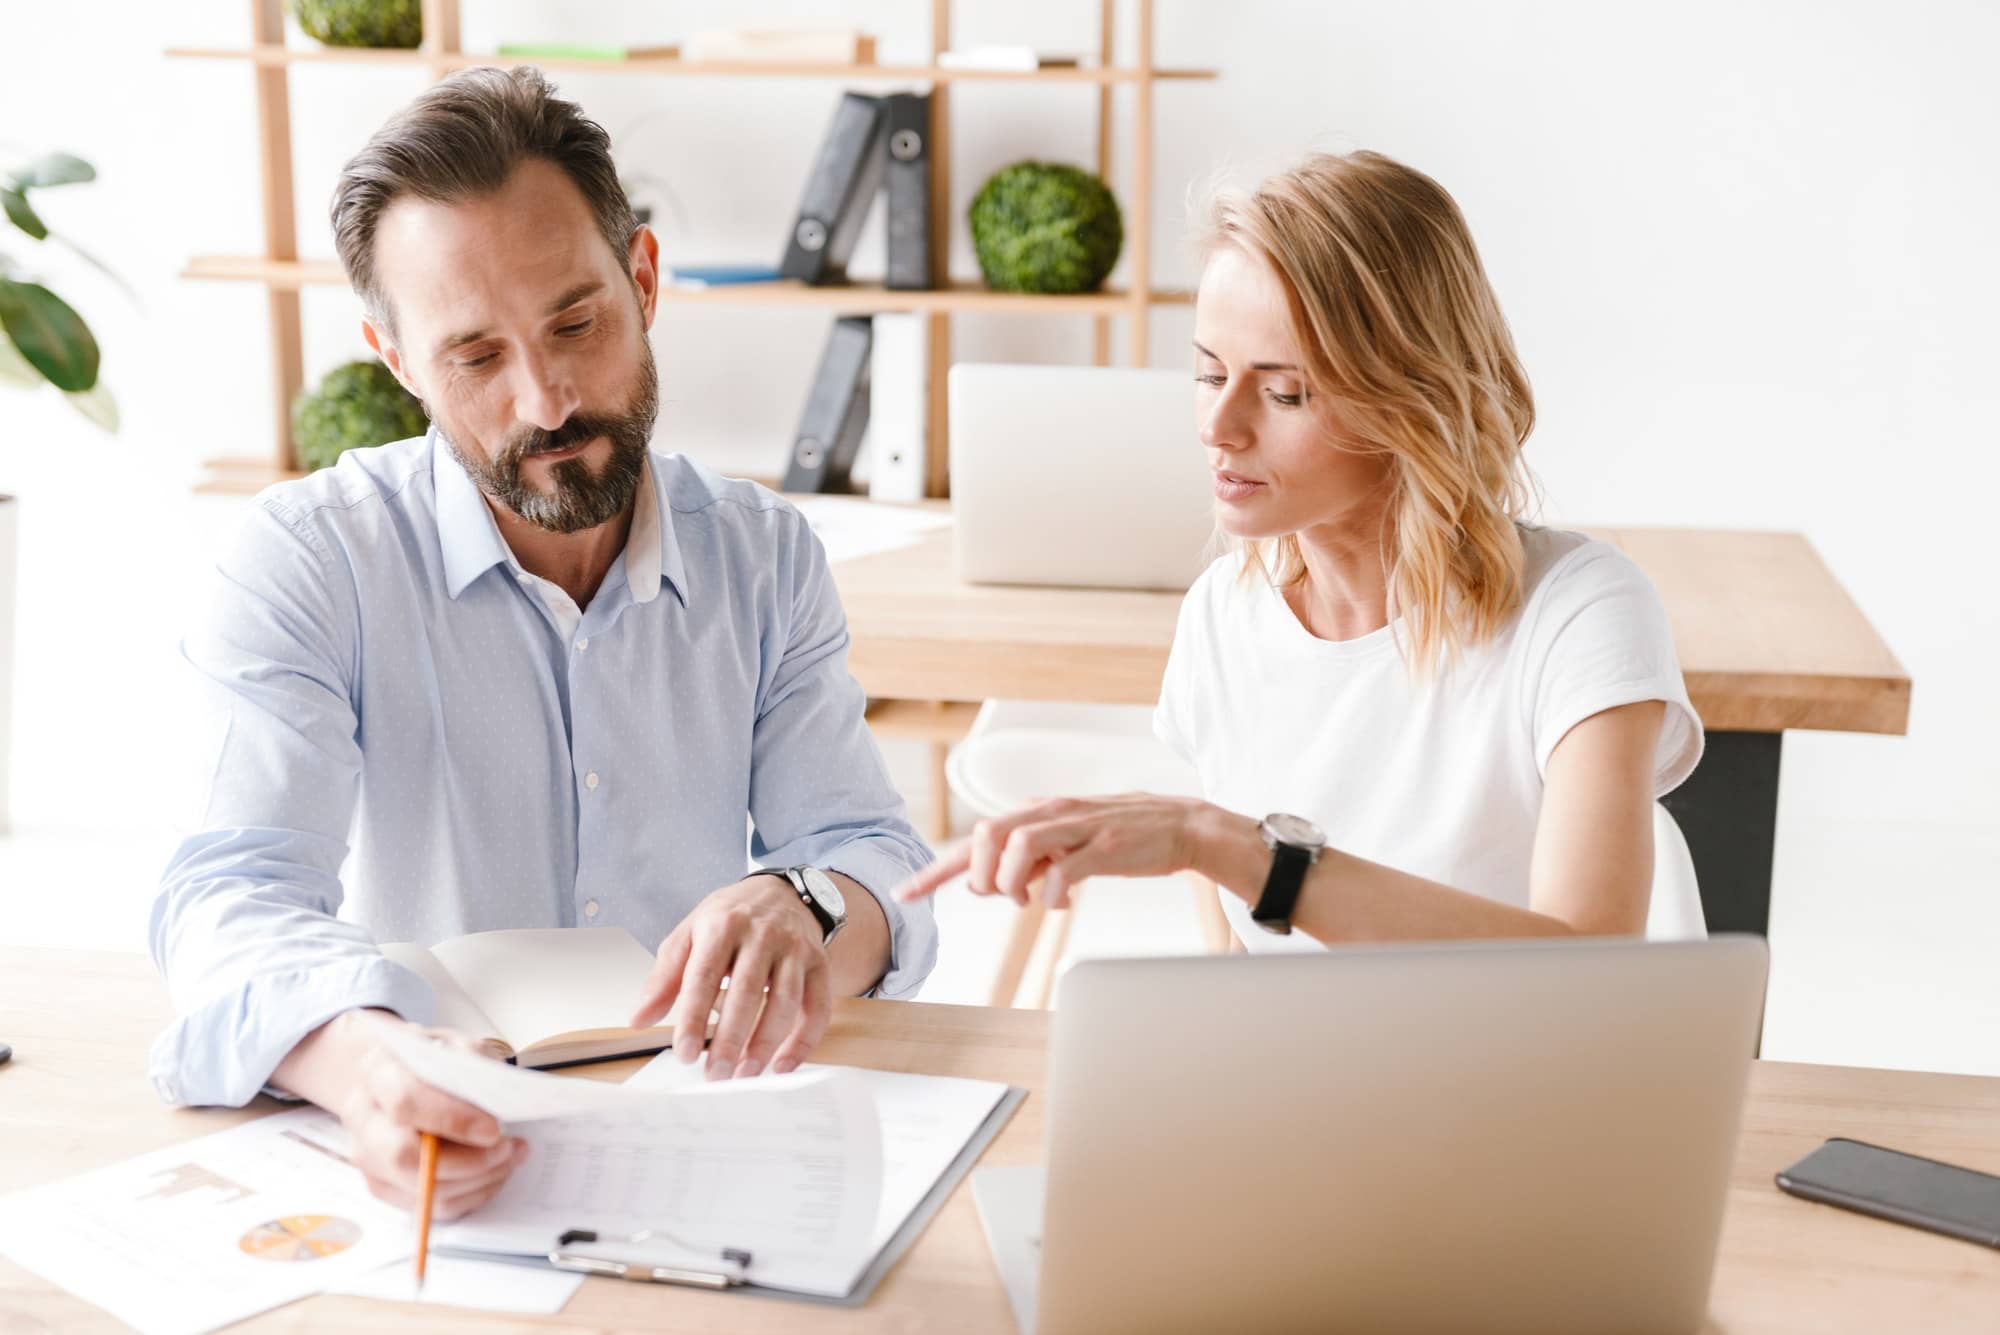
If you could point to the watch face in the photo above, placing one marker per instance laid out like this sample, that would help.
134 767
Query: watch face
826 892
1294 830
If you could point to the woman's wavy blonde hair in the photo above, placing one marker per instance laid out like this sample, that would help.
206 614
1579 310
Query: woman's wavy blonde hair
1403 344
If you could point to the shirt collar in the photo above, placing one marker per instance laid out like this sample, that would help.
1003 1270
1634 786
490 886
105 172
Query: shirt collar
472 543
471 539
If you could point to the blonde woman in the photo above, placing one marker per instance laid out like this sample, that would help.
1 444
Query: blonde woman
1414 714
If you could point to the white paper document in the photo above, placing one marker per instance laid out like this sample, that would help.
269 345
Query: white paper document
849 527
211 1231
786 1168
926 1122
450 1281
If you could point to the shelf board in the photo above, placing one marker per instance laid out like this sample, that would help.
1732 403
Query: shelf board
959 296
271 54
241 477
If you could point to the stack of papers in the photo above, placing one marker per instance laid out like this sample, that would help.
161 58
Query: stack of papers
821 1177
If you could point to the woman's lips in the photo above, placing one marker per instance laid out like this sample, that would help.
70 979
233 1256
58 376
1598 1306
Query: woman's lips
1235 487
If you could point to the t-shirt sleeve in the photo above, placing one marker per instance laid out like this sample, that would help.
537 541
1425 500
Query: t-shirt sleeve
1600 638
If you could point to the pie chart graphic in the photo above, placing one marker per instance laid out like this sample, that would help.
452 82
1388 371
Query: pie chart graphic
301 1237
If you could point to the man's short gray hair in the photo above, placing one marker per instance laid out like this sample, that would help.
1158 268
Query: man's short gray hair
460 139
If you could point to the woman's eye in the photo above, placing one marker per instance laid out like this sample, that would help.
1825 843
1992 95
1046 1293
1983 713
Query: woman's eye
1286 400
1208 379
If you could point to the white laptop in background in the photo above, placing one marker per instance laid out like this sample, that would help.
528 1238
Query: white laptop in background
1087 476
1530 1137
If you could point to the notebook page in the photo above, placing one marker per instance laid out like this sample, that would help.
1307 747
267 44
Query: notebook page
537 982
455 1010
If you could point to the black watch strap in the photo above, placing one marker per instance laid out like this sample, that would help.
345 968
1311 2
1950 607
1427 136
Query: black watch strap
795 877
1289 864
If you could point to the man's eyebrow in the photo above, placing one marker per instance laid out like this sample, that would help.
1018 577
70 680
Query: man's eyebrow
1255 366
574 295
556 307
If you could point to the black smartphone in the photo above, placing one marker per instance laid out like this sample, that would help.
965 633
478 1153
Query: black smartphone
1889 1184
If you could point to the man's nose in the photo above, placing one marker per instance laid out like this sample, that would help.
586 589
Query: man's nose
544 393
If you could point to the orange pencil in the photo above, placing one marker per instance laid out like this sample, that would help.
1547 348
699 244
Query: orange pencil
427 1169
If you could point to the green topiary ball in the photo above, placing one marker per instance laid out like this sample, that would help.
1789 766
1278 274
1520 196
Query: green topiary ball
1044 227
361 403
362 22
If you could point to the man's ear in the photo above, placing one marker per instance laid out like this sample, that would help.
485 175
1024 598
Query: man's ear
642 259
391 355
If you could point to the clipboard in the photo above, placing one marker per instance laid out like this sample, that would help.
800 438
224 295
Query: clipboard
657 1257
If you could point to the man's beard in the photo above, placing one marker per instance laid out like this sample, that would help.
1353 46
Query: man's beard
577 499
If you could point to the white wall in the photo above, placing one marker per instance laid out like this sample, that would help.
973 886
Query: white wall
1747 251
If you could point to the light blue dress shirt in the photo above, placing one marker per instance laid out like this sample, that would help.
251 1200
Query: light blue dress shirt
404 736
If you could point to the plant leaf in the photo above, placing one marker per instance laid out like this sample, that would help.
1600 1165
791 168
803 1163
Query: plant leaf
97 404
54 169
23 214
53 338
14 368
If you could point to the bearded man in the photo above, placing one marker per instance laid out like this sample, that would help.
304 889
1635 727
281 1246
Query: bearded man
520 672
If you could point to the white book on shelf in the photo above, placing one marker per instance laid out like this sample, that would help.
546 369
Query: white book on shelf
898 409
780 46
1007 57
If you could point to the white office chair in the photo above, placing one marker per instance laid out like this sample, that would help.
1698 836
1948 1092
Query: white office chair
1019 751
1675 913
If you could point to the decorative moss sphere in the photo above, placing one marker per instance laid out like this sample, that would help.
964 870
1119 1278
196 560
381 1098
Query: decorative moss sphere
398 23
1045 227
361 403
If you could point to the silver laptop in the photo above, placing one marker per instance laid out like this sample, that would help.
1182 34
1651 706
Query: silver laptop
1522 1137
1078 475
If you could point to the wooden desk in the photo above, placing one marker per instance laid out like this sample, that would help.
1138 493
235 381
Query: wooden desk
76 1096
1767 639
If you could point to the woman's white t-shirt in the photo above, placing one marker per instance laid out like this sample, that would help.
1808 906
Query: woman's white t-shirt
1440 779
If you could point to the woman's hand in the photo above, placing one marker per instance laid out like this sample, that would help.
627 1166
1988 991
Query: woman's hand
1058 843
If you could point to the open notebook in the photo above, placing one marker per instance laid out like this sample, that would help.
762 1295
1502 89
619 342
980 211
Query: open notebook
552 995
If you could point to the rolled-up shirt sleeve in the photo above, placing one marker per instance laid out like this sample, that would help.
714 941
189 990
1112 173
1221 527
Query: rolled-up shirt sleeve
819 792
243 926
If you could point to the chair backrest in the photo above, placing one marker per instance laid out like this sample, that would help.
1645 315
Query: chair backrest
1675 913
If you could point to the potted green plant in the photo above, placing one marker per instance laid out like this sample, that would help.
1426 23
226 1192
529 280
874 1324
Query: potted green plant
1045 227
357 405
43 341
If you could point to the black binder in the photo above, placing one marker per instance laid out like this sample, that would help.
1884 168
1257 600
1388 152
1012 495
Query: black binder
907 184
843 182
836 411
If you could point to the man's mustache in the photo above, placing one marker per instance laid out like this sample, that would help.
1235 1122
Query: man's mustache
526 444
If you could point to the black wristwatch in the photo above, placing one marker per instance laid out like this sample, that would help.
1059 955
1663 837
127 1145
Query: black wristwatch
1295 844
820 894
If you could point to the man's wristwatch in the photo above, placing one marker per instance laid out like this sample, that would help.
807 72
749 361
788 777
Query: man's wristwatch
820 894
1295 844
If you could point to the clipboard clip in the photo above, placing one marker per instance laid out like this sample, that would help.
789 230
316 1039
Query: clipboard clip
732 1270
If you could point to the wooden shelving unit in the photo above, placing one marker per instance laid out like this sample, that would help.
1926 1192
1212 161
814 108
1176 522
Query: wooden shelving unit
283 272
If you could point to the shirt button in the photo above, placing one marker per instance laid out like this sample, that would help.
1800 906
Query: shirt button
590 780
583 644
590 908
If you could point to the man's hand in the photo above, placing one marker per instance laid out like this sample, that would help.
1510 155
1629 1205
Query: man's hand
346 1067
761 936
